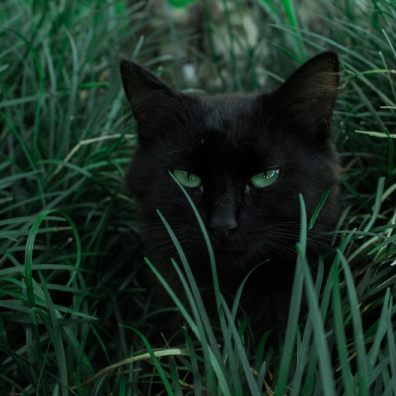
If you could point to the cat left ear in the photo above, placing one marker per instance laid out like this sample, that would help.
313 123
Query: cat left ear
143 88
307 97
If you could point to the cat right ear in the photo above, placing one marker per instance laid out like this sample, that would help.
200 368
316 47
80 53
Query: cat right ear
306 99
143 89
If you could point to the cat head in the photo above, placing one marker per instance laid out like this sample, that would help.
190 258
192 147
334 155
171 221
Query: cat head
243 158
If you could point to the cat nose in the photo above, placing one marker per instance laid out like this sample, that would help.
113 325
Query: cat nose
223 216
223 224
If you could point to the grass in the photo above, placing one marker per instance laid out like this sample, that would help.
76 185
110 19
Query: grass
71 306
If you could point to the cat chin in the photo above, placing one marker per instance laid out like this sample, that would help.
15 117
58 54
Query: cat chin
226 259
236 258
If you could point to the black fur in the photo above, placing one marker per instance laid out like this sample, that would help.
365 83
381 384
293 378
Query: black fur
226 139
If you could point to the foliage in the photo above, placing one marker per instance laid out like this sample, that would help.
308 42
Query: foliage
71 306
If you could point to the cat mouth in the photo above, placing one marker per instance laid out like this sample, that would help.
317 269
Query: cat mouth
230 249
227 245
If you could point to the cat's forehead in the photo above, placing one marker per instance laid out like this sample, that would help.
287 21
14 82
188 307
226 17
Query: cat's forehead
227 112
229 131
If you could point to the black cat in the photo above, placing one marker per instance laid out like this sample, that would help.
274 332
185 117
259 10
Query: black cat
244 159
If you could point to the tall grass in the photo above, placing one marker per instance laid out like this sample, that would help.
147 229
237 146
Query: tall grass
72 309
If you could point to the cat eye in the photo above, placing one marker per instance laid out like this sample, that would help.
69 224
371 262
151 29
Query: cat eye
187 179
264 179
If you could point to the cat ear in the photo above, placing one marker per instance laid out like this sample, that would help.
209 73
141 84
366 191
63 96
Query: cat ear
308 95
146 93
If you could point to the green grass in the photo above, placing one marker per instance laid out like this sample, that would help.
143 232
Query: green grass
71 306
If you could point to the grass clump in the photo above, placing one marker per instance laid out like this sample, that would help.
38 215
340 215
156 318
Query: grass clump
70 300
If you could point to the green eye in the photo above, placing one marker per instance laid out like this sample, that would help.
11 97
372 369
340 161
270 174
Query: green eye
264 179
187 179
